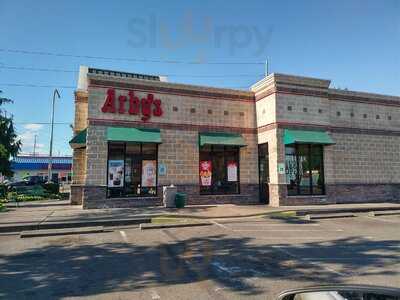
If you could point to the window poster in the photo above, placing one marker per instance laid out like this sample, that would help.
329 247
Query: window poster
115 173
149 170
232 171
205 172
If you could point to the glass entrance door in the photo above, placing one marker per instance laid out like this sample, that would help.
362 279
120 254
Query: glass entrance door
263 168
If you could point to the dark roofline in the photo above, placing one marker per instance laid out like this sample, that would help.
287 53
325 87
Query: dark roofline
123 74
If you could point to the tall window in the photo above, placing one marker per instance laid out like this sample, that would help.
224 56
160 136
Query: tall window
304 170
219 169
132 169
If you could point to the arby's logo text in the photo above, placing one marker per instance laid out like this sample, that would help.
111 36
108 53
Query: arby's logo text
131 104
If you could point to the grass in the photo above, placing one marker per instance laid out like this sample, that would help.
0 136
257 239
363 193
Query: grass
169 220
2 207
283 214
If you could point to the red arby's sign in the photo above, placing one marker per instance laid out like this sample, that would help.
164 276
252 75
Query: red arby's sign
131 104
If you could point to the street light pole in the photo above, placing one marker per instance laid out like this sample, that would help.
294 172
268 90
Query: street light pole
51 135
34 145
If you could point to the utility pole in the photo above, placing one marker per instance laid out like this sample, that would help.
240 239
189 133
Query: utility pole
55 93
34 145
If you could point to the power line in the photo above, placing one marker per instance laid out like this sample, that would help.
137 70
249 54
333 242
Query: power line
36 69
18 51
37 85
42 123
169 75
74 87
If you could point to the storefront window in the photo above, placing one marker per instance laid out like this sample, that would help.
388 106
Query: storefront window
219 169
304 170
132 169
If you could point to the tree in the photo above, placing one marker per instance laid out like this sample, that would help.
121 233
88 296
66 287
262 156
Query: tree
9 144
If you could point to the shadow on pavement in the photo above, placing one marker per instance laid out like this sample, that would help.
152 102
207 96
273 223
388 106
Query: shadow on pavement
71 266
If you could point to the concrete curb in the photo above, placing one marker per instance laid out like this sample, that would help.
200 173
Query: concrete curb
188 216
303 212
73 224
329 216
54 232
384 213
173 225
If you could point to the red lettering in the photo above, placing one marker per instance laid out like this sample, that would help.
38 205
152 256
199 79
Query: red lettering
146 107
121 100
157 111
109 103
134 104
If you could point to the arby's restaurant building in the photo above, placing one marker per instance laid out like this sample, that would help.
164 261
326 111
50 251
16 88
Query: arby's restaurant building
288 140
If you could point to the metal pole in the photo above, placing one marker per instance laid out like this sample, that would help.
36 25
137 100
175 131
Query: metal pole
51 136
34 145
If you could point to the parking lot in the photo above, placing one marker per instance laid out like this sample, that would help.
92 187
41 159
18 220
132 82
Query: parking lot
252 258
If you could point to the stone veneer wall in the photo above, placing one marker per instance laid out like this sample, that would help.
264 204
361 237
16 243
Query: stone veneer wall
179 151
185 115
79 155
363 165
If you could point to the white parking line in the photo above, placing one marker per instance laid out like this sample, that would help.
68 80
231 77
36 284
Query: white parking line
124 237
155 295
299 258
221 225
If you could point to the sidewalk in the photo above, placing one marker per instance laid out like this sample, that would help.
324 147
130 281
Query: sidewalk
60 214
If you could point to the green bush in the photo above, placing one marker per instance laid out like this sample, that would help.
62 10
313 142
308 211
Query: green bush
12 196
52 188
64 196
3 191
31 190
21 198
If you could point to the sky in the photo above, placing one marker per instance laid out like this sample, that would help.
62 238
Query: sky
354 43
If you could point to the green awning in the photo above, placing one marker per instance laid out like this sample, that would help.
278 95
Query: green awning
140 135
79 140
294 136
215 138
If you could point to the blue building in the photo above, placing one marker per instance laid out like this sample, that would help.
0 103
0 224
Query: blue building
28 165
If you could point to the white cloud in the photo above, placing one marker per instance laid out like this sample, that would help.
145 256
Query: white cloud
33 127
28 138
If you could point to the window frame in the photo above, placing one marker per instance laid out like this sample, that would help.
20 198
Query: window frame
210 154
109 196
310 163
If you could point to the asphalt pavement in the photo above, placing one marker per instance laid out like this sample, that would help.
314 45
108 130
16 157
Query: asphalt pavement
232 259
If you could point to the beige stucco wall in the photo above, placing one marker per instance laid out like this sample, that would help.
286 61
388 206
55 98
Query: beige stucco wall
329 116
240 114
81 111
179 150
